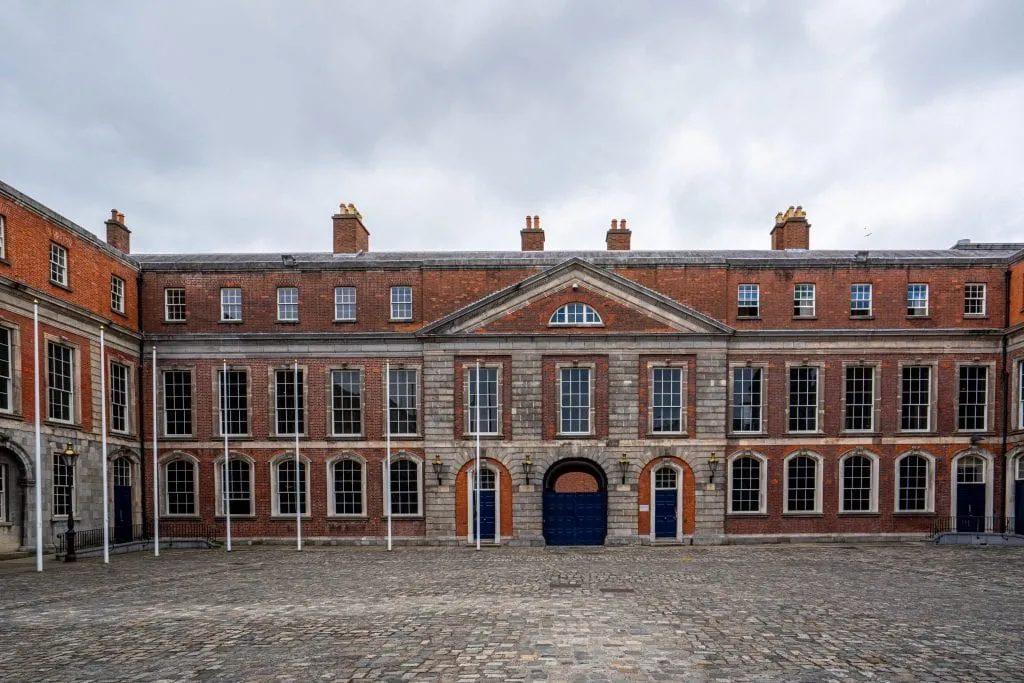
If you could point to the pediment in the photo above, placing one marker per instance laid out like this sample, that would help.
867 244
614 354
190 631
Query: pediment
624 306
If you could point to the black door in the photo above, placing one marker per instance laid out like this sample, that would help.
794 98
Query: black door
575 518
970 508
122 514
1018 508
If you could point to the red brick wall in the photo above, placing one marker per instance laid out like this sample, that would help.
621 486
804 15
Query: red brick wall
576 482
534 318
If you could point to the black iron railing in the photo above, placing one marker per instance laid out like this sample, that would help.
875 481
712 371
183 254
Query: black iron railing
977 525
169 529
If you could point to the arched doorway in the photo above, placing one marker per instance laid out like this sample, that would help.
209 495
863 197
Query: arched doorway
1017 492
13 499
666 501
575 503
971 502
465 481
668 494
488 510
122 479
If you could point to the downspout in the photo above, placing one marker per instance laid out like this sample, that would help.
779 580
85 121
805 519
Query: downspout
141 403
1006 384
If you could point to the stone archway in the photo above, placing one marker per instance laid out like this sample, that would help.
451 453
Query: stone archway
463 496
14 503
575 503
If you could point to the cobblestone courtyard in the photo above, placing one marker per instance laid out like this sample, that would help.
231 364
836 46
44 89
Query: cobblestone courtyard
788 613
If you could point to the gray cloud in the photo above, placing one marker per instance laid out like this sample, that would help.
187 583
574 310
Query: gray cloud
241 125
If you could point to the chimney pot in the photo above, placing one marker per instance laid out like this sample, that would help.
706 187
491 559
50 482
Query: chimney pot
622 223
791 231
532 237
615 224
350 235
618 236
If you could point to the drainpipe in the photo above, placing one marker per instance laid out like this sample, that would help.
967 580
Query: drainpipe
1006 384
141 403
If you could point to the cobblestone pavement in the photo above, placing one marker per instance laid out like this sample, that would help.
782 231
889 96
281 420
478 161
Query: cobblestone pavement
786 613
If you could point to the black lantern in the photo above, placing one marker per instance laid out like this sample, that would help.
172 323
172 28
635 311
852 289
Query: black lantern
438 468
623 467
527 469
69 456
713 466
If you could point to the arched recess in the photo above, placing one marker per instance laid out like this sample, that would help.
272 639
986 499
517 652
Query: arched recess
644 498
462 493
575 513
971 500
1015 490
124 492
15 474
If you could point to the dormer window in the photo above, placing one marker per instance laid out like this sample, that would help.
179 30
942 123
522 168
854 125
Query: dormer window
575 314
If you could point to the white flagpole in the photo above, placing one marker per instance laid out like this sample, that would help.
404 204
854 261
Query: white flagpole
39 440
156 470
387 438
299 495
478 454
226 494
103 429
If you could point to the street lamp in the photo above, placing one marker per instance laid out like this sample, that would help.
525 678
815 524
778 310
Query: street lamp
713 466
69 455
527 469
623 466
438 468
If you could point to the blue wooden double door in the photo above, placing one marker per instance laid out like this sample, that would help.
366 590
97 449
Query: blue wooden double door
575 503
487 511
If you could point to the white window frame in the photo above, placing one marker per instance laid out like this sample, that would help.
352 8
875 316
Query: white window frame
403 455
5 479
873 493
819 395
331 502
875 397
9 380
74 391
680 367
191 400
116 294
362 402
801 309
72 476
302 409
416 399
762 506
575 314
58 264
932 390
219 423
127 397
168 304
819 476
989 395
218 477
275 499
227 299
743 299
468 388
929 494
471 502
680 483
287 304
340 295
983 298
861 312
166 480
591 413
399 302
3 237
917 311
763 367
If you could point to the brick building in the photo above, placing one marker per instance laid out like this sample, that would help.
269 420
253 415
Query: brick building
620 396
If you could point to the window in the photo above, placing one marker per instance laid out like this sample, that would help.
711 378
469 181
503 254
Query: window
231 304
347 402
177 402
345 303
802 484
405 487
972 409
860 399
401 303
174 305
915 394
575 314
58 265
666 410
912 483
119 398
1020 394
974 299
238 491
402 411
746 484
746 399
347 475
3 237
234 401
4 477
858 484
748 301
181 487
6 358
574 406
63 486
860 301
122 471
970 469
487 399
803 399
288 304
291 489
917 300
289 411
803 301
116 294
60 382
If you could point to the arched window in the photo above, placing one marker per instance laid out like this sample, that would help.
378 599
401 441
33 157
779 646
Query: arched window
122 471
575 314
180 486
857 486
290 487
747 474
404 481
970 469
239 488
803 483
913 483
347 481
665 478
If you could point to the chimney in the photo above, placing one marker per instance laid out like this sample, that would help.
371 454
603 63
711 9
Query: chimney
791 231
350 235
617 238
118 235
532 235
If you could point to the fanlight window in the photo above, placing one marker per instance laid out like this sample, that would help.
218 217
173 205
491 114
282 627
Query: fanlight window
575 314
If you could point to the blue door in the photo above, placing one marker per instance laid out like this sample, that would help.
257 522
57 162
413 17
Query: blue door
575 518
970 508
665 502
488 515
122 514
1018 495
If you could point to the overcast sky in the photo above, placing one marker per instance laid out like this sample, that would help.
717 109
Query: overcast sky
240 126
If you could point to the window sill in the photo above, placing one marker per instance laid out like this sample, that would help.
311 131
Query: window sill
344 320
64 519
403 437
668 435
12 416
912 432
919 317
748 317
861 317
975 432
235 437
5 262
859 513
174 322
347 437
747 435
399 320
180 518
483 437
59 423
803 514
748 515
805 317
858 433
287 322
385 517
230 322
6 525
178 437
278 517
975 316
224 517
66 288
347 518
283 437
814 433
575 436
913 513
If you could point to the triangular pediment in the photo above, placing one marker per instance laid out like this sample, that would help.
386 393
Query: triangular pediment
624 306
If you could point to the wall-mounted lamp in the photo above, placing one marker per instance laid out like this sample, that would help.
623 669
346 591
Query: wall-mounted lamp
438 468
623 466
527 469
713 466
